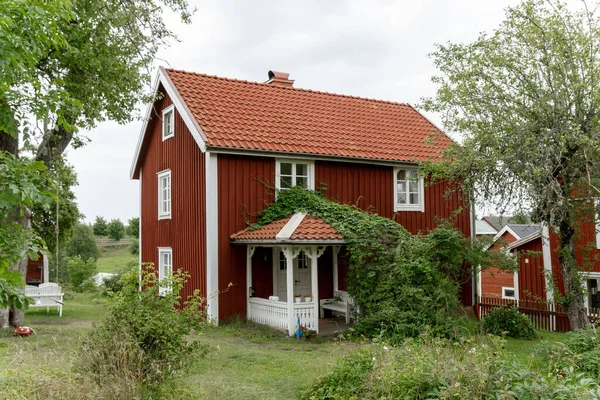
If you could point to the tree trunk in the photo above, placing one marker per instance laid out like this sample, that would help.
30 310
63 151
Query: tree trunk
14 316
574 296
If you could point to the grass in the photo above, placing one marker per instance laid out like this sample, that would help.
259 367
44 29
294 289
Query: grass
247 361
113 258
244 361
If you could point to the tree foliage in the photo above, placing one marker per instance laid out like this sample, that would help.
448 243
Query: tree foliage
133 227
525 99
44 217
83 244
100 226
115 230
81 272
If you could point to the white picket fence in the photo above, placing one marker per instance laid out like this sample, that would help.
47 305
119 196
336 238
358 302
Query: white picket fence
275 313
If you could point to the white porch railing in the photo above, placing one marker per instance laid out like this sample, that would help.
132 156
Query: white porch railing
306 312
275 313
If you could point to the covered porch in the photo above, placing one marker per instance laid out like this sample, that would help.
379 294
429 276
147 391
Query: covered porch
284 261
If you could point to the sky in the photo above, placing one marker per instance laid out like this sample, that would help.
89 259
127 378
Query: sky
375 49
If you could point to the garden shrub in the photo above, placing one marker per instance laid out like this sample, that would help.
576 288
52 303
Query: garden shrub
134 247
510 322
114 284
81 273
580 350
143 342
434 368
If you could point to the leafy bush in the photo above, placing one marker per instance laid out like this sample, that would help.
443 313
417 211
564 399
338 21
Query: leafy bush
580 350
143 342
114 284
134 247
115 230
509 321
83 243
433 368
81 273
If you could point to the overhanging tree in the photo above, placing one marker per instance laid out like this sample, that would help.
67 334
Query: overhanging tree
67 65
526 100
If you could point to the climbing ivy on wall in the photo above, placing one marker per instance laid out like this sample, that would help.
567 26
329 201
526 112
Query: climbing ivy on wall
403 283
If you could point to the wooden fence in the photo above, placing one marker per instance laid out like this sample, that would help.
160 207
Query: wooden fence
547 316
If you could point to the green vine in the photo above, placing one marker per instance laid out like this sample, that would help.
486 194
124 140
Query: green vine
404 284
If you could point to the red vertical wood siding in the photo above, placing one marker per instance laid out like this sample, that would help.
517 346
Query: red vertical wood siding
262 272
185 231
532 282
325 274
370 187
34 269
242 192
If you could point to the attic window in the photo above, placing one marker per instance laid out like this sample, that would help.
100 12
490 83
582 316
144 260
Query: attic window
292 173
408 190
168 125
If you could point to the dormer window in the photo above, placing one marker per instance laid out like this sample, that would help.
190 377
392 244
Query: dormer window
292 173
168 125
408 190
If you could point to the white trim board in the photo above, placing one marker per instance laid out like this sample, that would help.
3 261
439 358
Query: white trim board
212 238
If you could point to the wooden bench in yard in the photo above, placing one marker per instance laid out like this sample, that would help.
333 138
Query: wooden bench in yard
46 295
341 303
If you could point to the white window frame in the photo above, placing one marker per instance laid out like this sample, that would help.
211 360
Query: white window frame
310 170
165 133
504 288
161 195
408 207
597 216
162 273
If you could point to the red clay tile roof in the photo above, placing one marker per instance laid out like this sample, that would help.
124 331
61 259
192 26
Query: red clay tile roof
314 228
311 228
256 116
265 232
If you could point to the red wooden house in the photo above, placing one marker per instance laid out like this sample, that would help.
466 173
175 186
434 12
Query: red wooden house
214 151
539 263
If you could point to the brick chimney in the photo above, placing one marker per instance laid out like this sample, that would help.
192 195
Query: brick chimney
280 79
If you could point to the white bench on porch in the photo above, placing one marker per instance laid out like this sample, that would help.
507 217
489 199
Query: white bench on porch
341 303
46 295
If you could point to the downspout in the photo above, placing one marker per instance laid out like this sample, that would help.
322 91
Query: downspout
474 275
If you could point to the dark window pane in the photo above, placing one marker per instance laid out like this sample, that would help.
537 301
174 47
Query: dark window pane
285 182
414 198
401 175
286 169
301 169
302 182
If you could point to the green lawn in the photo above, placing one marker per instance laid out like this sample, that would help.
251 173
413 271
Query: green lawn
244 361
111 259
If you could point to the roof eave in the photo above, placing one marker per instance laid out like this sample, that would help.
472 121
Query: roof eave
298 242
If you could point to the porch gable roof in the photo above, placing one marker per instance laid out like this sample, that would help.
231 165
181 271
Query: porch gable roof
298 228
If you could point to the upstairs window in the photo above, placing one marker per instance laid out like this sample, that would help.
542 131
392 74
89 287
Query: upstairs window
292 173
165 268
408 190
164 194
168 126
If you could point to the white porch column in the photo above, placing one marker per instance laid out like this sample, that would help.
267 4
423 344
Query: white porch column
289 259
313 255
46 268
336 251
249 254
